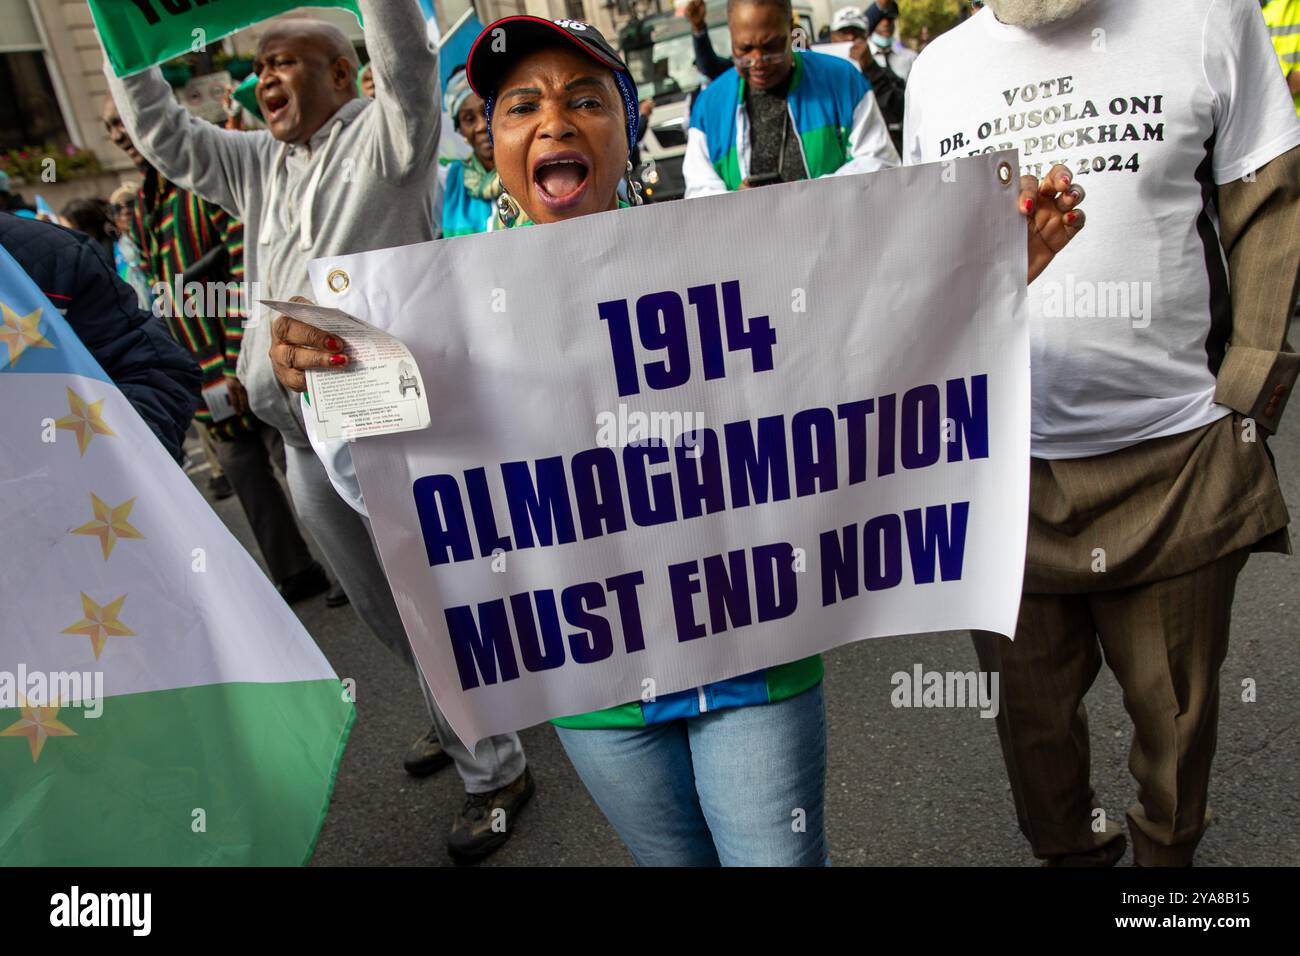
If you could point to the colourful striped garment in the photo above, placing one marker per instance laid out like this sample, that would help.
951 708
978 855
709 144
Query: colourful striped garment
174 229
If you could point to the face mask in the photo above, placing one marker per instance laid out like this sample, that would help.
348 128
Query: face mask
881 41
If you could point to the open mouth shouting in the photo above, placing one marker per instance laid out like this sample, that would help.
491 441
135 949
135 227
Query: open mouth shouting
561 179
275 106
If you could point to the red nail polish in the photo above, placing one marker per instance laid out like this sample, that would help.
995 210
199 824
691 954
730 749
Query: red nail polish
332 344
1029 205
338 360
1070 218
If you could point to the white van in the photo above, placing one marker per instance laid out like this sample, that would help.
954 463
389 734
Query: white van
661 56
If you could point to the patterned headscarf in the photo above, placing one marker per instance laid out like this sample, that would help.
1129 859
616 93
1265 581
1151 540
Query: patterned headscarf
458 91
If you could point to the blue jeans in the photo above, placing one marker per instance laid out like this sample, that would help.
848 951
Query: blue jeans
738 787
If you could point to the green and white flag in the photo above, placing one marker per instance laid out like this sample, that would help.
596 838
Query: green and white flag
140 33
159 702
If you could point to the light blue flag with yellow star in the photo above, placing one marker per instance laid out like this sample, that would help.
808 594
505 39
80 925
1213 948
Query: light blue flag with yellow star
159 702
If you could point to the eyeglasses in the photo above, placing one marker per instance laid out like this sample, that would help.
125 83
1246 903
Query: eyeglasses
762 59
751 60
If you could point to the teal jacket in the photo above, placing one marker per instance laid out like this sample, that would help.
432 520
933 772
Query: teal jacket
462 214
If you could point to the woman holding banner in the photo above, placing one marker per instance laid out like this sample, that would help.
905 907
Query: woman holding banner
732 773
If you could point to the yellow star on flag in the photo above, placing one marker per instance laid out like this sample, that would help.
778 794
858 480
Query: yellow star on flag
100 622
109 524
21 332
85 420
36 724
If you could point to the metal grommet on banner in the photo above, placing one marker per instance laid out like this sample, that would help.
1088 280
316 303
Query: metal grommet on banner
338 281
1004 173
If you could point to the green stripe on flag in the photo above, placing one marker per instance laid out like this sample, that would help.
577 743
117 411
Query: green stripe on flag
259 761
140 33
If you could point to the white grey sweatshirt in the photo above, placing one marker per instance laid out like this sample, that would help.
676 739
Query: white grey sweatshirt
366 180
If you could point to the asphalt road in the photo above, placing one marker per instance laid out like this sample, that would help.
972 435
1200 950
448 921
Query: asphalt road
904 787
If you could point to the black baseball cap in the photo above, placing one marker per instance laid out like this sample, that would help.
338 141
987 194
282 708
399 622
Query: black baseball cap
504 41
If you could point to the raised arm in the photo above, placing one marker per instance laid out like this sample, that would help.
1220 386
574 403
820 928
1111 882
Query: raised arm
707 61
214 163
406 88
710 65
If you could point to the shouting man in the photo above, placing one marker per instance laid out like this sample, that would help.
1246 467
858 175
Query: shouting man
181 237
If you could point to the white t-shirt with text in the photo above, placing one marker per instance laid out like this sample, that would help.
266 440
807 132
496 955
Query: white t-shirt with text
1150 106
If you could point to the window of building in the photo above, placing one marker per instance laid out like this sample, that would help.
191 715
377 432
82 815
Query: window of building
29 108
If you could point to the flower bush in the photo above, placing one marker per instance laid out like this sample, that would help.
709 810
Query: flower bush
28 162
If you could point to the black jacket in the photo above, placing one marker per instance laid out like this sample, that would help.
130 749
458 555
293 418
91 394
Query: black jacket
889 87
156 375
707 61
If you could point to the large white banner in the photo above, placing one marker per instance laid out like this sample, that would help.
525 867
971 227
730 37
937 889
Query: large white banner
840 369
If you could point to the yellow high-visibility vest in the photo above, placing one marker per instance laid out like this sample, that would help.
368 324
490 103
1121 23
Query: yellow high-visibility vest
1283 19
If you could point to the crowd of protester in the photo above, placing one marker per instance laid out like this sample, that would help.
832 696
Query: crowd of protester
1161 476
